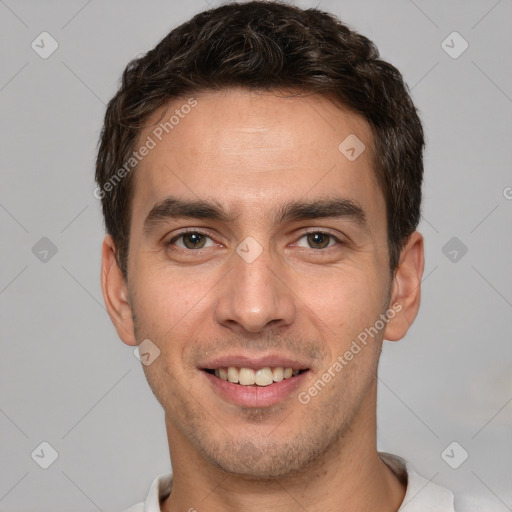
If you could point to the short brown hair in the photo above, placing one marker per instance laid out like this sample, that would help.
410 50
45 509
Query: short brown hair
264 46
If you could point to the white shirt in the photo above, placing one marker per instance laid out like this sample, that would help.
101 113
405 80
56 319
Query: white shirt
421 495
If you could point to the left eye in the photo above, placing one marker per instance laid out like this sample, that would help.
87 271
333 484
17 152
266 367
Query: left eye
317 240
192 240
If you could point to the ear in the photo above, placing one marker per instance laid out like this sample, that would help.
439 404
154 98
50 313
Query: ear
406 288
115 293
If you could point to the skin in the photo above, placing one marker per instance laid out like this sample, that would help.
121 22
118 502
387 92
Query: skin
253 152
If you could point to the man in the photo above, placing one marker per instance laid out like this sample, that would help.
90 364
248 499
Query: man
260 173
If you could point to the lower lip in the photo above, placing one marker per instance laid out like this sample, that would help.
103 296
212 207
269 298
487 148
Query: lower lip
255 396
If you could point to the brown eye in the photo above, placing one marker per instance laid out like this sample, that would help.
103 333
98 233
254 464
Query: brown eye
192 240
319 240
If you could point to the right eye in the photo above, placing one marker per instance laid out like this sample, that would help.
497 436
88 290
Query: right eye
191 240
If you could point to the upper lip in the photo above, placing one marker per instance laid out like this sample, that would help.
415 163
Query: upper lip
245 361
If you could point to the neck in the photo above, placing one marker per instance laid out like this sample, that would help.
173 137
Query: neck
348 476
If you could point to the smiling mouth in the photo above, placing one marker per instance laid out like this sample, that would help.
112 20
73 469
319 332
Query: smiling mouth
250 377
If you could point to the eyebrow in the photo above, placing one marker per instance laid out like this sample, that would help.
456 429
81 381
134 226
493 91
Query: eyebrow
321 209
172 208
175 208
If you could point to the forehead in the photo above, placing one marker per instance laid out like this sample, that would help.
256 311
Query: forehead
249 149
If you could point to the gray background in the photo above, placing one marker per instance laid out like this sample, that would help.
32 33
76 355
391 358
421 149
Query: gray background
66 379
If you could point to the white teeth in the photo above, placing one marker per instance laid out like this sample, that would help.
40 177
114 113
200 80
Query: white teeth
248 376
277 374
233 374
264 377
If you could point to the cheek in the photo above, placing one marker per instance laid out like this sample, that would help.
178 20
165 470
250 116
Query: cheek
346 300
167 302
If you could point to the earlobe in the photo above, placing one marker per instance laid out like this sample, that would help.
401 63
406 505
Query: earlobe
115 293
406 288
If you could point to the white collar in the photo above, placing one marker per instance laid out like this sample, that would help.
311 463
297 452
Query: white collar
421 494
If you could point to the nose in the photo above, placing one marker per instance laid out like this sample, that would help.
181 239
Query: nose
254 296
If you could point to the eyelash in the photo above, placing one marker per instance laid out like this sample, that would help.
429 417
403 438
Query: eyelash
173 240
326 233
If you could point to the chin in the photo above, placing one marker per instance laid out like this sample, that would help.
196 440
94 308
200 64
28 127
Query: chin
268 461
262 471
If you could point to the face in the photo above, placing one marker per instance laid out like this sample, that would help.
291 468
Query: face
258 250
